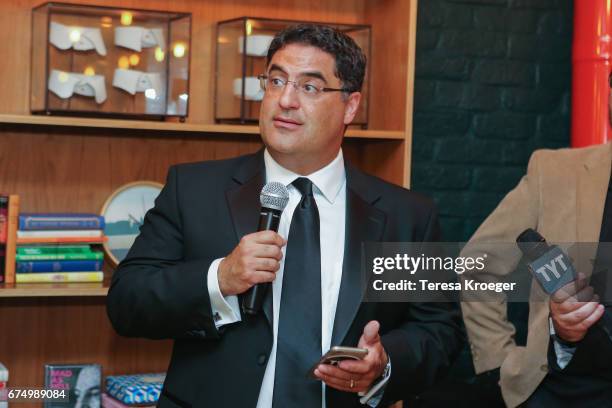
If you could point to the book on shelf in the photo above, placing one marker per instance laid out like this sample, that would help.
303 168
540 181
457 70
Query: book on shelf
55 277
62 240
4 376
57 266
137 389
110 402
3 218
60 234
59 256
2 256
53 249
11 238
60 221
82 381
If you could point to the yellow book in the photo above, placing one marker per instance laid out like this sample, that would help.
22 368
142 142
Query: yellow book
54 277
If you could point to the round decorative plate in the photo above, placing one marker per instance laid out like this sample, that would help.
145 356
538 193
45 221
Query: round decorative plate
124 212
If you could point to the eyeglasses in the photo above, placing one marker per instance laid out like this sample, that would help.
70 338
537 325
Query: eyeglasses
305 86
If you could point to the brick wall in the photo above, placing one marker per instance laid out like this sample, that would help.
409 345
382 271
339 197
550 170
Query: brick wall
492 84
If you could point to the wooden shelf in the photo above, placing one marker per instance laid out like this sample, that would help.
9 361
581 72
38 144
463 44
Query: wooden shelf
21 290
65 121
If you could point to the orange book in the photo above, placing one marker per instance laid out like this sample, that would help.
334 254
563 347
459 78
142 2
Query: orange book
11 238
65 240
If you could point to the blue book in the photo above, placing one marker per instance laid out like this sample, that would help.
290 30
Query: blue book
137 389
55 221
58 266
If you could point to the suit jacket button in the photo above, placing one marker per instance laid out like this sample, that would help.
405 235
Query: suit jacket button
261 359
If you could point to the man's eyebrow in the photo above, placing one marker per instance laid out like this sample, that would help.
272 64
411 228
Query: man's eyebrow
275 67
311 74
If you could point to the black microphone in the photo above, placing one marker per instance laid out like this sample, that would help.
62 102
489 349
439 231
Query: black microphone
551 267
274 198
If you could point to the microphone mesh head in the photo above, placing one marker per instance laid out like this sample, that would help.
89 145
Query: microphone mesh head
274 195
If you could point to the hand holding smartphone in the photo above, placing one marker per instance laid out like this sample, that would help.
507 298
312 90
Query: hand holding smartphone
337 354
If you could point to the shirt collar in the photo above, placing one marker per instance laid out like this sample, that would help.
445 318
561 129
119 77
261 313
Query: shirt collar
65 84
137 38
89 38
133 81
328 180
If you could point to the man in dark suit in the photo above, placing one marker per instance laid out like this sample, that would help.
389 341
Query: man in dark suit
197 254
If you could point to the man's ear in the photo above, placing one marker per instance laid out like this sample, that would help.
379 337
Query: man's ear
352 105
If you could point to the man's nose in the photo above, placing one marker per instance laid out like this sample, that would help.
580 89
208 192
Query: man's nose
289 98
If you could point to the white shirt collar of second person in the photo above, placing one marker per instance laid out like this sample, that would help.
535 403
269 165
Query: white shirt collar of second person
328 180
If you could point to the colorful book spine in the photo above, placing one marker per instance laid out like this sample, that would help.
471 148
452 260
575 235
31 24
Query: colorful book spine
11 239
66 240
2 257
3 218
58 266
55 221
84 256
59 233
52 249
55 277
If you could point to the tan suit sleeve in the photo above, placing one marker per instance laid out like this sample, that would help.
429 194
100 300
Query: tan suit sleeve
490 333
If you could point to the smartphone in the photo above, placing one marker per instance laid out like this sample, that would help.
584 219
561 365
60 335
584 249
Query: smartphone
338 353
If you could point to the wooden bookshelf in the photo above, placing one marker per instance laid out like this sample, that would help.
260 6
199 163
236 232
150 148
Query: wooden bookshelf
14 290
72 164
172 126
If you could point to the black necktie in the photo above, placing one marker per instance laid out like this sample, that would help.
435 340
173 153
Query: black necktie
299 323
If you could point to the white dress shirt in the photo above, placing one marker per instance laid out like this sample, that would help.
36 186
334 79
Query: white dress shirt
330 194
65 84
136 38
133 81
78 38
563 353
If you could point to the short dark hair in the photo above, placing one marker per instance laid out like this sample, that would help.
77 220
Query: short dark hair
350 59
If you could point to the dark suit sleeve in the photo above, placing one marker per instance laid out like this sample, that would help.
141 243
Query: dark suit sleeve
423 348
593 354
154 293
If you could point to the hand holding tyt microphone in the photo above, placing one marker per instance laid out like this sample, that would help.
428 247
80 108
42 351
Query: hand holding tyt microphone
574 307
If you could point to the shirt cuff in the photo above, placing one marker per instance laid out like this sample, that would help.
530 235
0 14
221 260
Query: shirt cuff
225 310
563 352
375 394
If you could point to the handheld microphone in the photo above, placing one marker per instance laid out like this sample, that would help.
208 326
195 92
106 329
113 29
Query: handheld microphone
274 198
547 263
552 268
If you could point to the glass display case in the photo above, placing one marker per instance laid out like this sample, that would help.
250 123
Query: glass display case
242 46
104 61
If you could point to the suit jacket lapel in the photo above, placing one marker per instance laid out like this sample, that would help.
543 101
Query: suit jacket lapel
244 205
364 223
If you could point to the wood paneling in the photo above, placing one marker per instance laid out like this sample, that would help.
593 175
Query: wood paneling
61 170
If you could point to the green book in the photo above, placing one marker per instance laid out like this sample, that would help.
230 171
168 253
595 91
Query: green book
53 249
84 256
